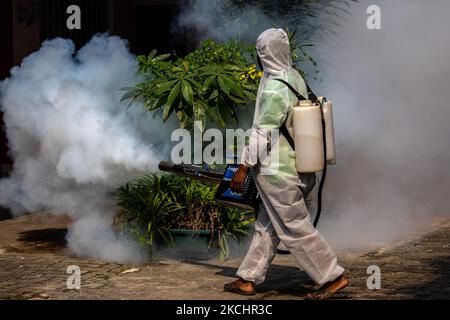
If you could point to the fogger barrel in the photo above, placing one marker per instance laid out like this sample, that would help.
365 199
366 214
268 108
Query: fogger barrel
191 171
308 135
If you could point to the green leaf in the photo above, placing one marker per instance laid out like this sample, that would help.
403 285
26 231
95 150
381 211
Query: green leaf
158 103
168 109
173 94
131 94
250 95
142 59
214 115
233 68
209 81
195 83
183 118
188 93
163 57
236 100
127 88
209 69
226 84
152 54
136 98
225 108
199 114
214 95
165 86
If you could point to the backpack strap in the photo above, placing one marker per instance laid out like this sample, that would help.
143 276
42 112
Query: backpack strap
295 92
311 95
284 131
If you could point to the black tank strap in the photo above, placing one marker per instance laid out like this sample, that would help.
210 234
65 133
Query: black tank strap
284 131
297 94
311 95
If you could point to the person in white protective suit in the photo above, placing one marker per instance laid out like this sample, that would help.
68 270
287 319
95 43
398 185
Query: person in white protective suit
283 217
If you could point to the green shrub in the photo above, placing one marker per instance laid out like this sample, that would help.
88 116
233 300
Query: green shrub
207 85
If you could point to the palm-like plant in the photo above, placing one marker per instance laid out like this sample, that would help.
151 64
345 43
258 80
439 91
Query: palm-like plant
234 224
144 212
154 204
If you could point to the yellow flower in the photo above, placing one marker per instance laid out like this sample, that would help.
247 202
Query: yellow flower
242 77
253 76
260 74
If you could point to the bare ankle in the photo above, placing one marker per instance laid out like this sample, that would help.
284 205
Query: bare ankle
242 280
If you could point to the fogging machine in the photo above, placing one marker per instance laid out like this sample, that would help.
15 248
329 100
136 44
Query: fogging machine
247 199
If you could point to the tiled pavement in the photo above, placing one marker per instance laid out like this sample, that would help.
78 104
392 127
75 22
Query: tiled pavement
34 261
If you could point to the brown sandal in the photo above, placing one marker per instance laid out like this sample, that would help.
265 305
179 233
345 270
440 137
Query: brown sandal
324 293
233 288
327 295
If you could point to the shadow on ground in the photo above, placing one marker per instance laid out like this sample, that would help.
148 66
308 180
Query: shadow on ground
281 280
51 238
5 214
436 288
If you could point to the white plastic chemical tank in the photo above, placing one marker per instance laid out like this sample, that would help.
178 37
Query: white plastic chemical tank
307 129
308 135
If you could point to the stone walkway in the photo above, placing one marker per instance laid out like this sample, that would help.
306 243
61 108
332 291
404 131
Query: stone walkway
34 261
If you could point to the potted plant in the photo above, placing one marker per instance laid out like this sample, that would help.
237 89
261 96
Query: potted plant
166 211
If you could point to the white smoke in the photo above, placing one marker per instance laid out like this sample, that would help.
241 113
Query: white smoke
73 142
221 20
213 19
390 90
391 108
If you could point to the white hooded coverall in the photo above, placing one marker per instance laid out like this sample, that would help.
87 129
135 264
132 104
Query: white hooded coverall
283 215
